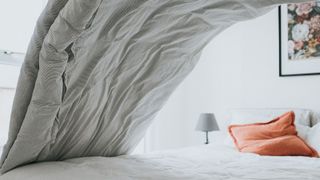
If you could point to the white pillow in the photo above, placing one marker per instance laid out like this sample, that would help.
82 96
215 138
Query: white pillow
313 137
250 116
315 118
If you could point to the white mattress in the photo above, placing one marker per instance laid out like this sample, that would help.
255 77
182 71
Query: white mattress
205 162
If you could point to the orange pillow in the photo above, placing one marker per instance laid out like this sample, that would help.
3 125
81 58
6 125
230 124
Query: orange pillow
275 138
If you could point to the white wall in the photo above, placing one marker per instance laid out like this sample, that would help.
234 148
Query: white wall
17 21
238 69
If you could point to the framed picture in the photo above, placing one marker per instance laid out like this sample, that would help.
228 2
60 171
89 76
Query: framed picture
299 37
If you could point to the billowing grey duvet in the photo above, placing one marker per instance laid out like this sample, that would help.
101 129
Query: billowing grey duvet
213 162
97 72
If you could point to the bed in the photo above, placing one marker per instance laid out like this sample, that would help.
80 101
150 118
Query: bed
214 161
218 160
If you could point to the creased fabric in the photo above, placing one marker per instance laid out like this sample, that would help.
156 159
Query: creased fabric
97 72
209 162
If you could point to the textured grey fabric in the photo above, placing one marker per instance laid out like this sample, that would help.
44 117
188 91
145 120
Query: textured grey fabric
97 71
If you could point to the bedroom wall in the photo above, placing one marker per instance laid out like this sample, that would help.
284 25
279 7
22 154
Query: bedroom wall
17 19
238 69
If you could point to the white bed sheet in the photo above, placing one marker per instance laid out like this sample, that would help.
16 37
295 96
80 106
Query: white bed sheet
212 162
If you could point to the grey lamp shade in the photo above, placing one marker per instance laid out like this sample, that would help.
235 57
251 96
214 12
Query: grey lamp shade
207 122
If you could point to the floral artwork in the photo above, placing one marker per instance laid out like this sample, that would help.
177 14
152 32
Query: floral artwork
304 31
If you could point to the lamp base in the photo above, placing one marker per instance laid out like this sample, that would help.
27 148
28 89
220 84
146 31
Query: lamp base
207 138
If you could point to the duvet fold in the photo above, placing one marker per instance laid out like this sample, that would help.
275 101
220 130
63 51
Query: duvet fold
97 72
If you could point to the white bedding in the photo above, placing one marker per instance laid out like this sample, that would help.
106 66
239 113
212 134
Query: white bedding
212 162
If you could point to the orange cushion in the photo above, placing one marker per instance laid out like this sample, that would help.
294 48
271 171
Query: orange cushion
275 138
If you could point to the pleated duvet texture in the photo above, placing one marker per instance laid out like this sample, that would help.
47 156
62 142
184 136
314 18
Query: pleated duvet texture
97 72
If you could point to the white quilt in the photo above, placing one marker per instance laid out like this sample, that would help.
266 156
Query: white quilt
212 162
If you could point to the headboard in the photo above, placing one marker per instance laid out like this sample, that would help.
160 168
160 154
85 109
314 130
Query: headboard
305 117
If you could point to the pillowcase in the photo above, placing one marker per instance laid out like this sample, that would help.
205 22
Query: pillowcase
312 137
303 118
315 118
275 138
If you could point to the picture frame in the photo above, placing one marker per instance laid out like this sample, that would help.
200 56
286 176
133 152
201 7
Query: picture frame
296 57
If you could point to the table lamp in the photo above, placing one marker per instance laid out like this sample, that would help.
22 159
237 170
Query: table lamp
207 123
